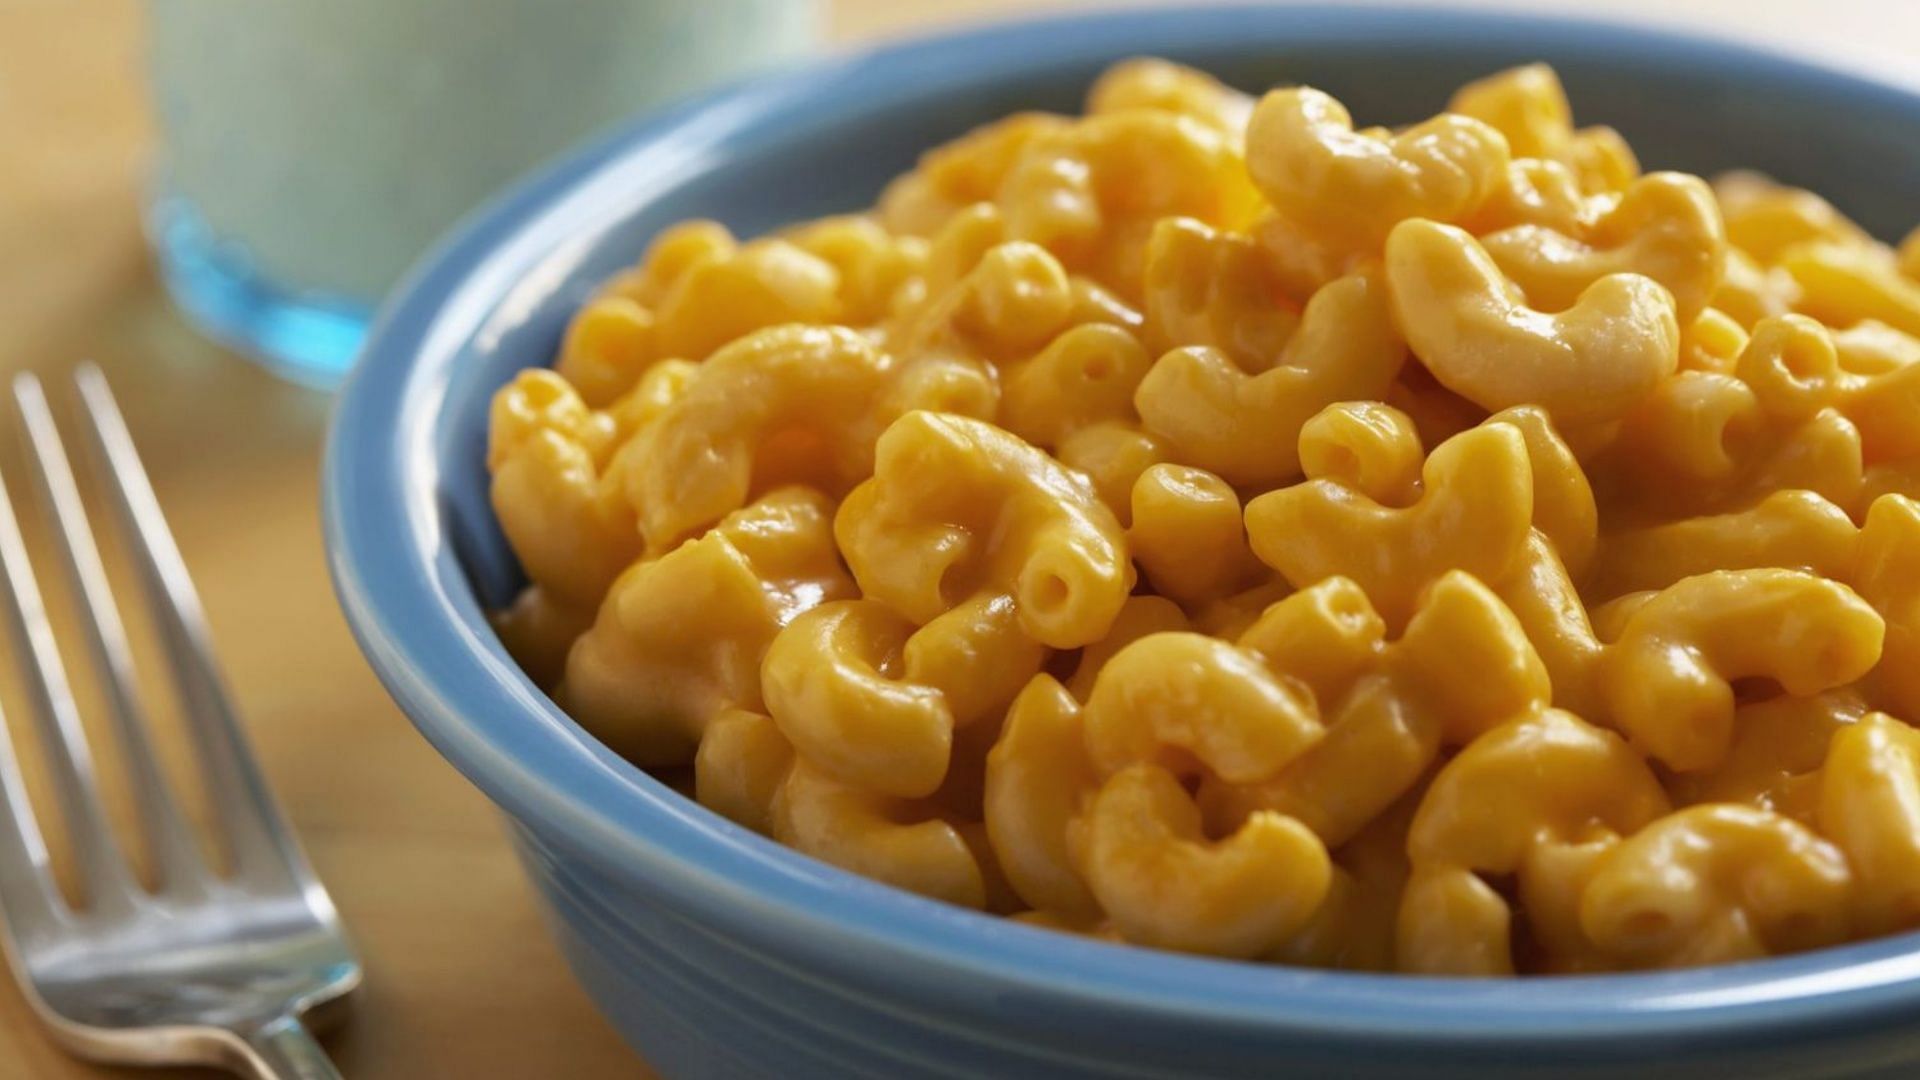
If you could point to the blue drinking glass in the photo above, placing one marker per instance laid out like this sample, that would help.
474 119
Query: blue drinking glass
314 148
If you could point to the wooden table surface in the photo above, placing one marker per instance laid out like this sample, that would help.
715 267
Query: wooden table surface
462 980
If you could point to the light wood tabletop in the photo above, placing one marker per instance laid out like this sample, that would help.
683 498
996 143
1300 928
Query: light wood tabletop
462 980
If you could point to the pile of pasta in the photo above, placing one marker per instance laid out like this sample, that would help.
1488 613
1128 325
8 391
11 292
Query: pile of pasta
1207 525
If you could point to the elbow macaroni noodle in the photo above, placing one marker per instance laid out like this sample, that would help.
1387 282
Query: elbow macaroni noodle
1208 525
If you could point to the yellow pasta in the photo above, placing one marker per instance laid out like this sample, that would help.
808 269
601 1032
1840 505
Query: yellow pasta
740 765
1038 774
1309 162
1717 883
1186 535
873 701
1140 848
1212 413
1207 287
564 514
956 506
679 638
1474 514
1207 524
863 832
1147 83
1665 227
1868 803
1472 327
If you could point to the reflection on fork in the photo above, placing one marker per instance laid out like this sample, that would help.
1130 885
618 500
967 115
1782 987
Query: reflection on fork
206 968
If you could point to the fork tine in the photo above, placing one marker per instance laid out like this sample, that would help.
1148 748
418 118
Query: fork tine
104 874
31 904
259 840
181 869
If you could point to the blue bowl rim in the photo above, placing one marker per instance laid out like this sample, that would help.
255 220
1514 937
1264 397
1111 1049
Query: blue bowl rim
388 559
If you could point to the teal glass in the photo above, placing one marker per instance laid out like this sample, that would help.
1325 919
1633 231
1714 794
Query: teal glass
313 149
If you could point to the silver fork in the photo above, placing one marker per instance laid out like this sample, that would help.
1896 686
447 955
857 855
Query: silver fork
205 969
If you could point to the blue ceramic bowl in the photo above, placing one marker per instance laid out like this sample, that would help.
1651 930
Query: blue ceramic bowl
719 953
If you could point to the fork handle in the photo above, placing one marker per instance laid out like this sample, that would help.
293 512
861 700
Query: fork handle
284 1049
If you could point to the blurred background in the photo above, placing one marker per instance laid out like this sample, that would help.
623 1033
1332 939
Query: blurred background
288 159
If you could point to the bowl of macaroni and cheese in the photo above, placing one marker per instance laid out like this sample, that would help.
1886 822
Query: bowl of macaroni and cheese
1061 549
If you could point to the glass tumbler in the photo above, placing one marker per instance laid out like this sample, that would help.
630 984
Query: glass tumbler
312 149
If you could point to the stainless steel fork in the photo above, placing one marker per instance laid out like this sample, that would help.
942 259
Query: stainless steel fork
217 969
